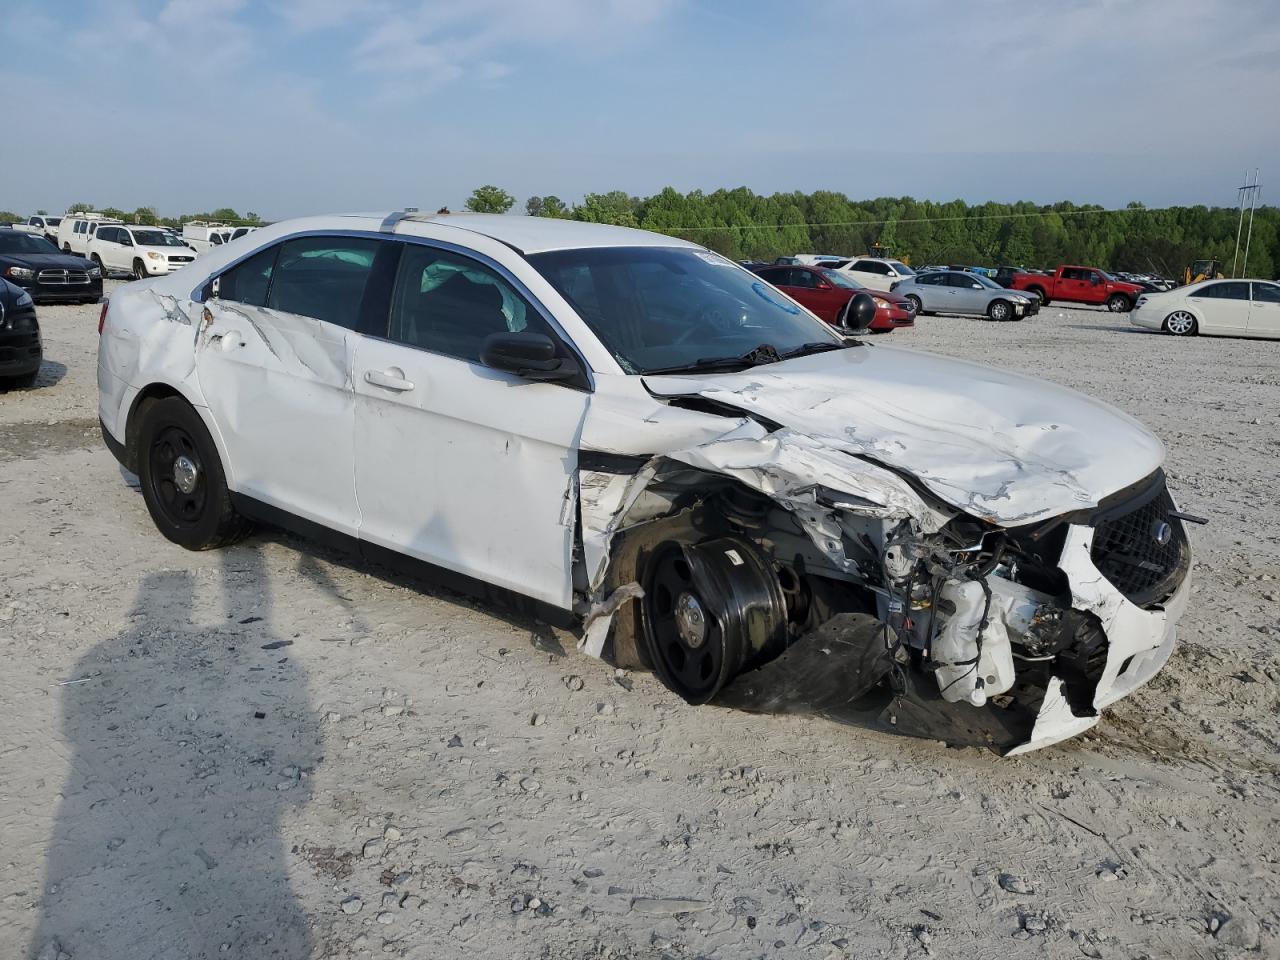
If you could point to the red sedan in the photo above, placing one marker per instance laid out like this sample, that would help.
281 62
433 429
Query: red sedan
827 293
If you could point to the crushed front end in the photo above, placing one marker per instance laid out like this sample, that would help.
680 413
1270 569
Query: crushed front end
741 581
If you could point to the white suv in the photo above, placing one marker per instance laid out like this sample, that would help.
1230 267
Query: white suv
139 251
876 273
631 435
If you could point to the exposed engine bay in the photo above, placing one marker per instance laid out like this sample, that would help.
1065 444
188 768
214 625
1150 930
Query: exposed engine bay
890 610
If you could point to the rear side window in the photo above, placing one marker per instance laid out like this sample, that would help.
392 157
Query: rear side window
870 266
323 277
248 281
108 234
804 279
1266 293
450 304
1226 291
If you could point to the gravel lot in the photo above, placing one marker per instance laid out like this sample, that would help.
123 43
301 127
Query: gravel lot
271 752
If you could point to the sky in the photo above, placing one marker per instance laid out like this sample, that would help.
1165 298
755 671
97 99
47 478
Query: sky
293 107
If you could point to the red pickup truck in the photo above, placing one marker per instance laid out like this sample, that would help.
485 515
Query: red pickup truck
1080 285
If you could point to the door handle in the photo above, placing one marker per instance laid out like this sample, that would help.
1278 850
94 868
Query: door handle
390 379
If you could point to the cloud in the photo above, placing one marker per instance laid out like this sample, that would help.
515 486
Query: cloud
417 47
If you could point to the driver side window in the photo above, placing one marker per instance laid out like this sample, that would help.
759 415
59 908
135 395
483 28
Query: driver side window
450 304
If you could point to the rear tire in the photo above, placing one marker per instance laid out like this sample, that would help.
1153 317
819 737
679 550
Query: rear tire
1039 292
183 482
999 310
21 382
1181 323
1119 303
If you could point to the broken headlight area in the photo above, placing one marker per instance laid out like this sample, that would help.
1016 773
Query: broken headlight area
927 623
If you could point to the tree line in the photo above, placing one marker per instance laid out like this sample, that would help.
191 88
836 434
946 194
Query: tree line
742 224
148 217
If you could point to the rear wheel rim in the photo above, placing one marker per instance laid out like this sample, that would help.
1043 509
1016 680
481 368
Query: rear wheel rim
177 476
1180 323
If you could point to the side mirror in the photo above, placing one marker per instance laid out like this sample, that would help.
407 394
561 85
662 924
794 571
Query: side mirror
976 286
528 355
823 285
859 314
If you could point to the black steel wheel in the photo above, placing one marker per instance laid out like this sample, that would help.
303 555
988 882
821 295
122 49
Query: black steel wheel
709 611
691 651
183 483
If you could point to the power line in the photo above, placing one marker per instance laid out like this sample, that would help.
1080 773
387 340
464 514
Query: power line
897 220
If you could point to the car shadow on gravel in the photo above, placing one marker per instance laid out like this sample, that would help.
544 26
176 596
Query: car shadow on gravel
190 739
1110 328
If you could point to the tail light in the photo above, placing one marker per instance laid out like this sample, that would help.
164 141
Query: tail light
102 317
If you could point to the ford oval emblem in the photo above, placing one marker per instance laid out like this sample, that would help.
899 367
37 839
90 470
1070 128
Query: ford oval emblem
1161 533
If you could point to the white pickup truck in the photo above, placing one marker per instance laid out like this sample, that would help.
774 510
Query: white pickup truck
41 226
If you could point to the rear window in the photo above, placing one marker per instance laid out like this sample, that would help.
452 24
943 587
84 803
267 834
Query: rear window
323 277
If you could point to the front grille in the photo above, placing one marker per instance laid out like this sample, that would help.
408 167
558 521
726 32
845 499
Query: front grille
1128 551
63 278
181 259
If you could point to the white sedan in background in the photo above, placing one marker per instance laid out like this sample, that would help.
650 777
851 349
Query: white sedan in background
1225 308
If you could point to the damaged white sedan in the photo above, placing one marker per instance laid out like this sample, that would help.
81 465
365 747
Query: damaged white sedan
629 434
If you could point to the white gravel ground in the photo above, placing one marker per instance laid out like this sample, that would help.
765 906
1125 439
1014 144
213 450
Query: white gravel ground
269 752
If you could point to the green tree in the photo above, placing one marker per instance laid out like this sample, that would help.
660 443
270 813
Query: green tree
80 208
8 216
42 213
147 216
489 199
114 213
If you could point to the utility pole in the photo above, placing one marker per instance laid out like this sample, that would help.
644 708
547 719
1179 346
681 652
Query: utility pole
1253 205
1248 191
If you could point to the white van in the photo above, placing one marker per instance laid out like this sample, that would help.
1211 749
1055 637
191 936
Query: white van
77 229
203 236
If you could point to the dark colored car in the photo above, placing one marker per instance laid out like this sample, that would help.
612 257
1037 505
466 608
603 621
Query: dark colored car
827 293
1004 275
47 273
20 348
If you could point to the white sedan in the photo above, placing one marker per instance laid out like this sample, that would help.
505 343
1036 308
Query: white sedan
1223 308
632 436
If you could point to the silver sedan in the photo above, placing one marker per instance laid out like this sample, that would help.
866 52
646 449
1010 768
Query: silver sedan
955 291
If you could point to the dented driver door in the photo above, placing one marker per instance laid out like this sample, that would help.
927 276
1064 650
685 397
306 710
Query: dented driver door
277 376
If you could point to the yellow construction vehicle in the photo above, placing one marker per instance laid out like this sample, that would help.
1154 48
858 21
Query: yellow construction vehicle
1203 270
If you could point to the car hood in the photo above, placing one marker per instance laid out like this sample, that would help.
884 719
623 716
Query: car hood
1000 446
45 261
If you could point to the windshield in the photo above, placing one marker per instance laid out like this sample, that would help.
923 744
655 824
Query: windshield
656 308
11 241
842 280
156 238
902 268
